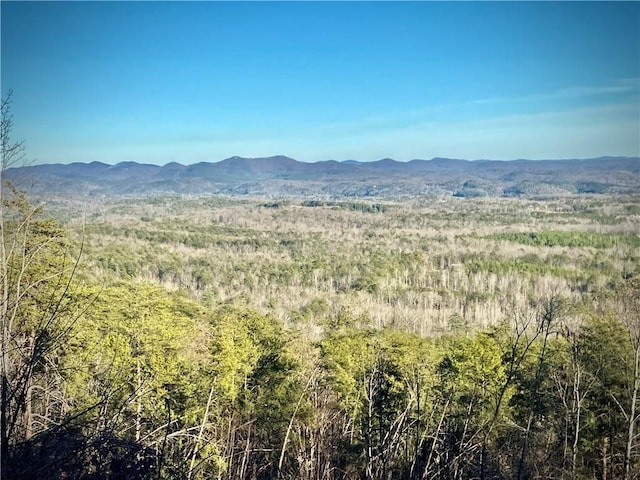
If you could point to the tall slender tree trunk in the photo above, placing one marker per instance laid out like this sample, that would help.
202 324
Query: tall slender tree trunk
369 428
4 386
605 467
632 413
425 473
544 328
203 424
4 443
525 447
576 427
289 427
27 413
27 416
138 400
4 340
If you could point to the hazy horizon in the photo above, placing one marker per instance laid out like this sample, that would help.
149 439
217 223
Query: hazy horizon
186 164
161 82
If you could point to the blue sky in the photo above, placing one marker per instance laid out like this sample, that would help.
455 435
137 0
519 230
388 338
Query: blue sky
157 82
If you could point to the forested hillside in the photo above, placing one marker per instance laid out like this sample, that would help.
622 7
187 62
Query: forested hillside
215 337
285 177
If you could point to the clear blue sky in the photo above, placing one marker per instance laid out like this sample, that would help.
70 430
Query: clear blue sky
158 82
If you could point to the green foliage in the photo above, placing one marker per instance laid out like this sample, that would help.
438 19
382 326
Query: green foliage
569 239
37 316
385 382
592 187
138 347
474 372
632 209
348 357
526 265
250 358
355 206
470 193
606 350
254 374
274 204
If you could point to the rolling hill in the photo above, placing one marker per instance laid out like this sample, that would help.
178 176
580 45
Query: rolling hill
284 176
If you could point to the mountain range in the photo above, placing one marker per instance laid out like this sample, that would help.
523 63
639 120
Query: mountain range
284 176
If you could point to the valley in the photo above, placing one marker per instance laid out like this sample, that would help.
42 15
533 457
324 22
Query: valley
333 337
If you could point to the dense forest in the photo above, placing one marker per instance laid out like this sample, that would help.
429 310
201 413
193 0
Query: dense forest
224 337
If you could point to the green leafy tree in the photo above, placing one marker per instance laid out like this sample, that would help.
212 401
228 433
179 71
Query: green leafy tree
37 313
384 384
138 356
475 382
611 352
255 384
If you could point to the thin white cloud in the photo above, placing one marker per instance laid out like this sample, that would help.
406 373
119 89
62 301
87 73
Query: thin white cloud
622 86
582 132
442 112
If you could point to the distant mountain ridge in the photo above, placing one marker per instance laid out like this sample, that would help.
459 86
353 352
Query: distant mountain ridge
281 176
